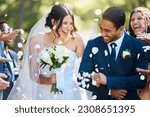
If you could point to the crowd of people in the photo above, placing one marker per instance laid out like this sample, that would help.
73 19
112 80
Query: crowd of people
113 66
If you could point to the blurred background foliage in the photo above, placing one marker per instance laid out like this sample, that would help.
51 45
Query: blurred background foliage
25 13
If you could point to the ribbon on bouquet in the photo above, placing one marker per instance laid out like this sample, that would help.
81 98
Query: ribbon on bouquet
60 78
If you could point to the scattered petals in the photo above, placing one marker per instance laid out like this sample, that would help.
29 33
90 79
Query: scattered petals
94 50
101 68
87 86
21 31
90 55
37 46
138 56
30 56
96 69
20 45
94 97
105 52
20 54
146 48
94 82
142 77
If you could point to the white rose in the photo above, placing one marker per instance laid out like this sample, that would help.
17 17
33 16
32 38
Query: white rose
44 55
126 54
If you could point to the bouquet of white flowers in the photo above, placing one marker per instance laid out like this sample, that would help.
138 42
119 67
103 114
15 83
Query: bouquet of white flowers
54 57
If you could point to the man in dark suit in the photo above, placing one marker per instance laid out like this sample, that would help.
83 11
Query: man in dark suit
109 61
13 65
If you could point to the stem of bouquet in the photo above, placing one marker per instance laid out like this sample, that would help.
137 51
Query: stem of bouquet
55 89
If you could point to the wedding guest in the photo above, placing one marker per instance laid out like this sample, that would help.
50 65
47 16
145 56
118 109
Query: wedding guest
3 83
110 61
6 36
139 27
40 81
3 67
12 65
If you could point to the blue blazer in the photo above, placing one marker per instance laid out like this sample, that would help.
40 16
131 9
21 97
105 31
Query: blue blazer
9 72
122 75
1 64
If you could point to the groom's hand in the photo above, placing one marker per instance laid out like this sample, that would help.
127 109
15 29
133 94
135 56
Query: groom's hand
99 78
118 94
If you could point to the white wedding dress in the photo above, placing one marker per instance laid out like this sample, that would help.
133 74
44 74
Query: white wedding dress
70 90
27 88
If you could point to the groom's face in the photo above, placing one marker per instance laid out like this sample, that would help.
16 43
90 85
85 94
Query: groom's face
108 31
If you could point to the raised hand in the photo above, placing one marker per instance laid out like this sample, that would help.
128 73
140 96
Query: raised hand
2 59
11 35
143 36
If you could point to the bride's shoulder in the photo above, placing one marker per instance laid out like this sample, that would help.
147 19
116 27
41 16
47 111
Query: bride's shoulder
37 38
78 37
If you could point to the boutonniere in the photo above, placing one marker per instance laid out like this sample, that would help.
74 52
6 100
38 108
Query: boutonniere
126 54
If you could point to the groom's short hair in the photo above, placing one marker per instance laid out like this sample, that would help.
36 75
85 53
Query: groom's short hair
115 15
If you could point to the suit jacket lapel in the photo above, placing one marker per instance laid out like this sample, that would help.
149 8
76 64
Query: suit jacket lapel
105 54
125 45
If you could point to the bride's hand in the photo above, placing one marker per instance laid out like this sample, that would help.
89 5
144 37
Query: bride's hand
45 80
53 79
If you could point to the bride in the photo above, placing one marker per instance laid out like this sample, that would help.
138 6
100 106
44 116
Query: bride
36 83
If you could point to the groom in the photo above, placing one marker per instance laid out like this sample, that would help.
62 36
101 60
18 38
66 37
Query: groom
108 66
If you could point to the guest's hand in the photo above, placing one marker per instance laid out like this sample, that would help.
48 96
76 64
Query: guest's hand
3 84
11 35
143 71
118 94
144 36
2 59
99 78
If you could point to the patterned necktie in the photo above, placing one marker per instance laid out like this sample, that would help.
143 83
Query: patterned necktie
113 53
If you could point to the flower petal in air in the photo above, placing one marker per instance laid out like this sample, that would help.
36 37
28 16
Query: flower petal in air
106 52
90 55
94 50
142 77
37 46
